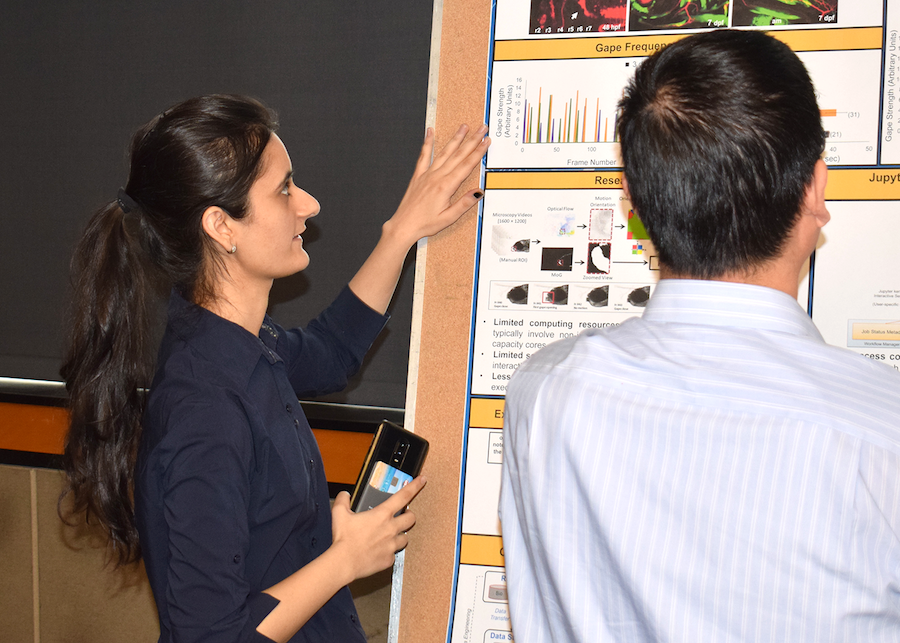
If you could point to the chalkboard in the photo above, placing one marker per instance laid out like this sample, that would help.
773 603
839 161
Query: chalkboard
348 81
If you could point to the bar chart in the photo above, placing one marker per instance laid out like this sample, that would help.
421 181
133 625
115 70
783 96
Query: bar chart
574 121
562 114
544 114
847 88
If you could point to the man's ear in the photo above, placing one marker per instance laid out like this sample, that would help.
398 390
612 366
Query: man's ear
219 226
814 200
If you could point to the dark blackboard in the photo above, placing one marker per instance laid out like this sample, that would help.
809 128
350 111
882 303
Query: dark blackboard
348 81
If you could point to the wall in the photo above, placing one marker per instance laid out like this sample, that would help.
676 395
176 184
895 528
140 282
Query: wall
348 82
57 587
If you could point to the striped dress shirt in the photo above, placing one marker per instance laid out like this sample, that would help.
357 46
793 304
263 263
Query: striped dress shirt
710 471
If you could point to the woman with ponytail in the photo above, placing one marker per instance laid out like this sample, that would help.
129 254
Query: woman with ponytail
208 469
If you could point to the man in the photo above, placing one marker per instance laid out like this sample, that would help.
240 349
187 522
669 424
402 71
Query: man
711 471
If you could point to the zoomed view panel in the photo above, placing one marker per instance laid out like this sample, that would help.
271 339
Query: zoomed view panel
773 13
678 14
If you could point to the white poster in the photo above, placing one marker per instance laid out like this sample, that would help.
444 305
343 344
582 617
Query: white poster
560 249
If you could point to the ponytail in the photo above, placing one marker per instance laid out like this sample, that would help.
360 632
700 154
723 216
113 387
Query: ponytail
107 368
202 152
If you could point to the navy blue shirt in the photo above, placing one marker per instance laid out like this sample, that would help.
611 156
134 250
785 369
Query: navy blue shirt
230 491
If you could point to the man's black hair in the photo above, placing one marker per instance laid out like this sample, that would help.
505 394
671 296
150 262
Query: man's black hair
720 133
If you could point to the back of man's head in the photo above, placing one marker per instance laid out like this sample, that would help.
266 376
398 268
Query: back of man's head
720 133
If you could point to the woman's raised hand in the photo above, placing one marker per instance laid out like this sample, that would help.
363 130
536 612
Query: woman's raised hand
426 208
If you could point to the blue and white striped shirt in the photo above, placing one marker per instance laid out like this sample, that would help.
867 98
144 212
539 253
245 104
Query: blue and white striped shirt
711 471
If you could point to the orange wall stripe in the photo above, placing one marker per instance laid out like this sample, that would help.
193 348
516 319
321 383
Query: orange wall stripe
42 429
27 427
343 453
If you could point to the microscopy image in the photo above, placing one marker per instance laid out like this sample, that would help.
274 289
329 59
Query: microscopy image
577 16
558 296
501 239
518 295
600 228
639 296
767 13
636 229
508 294
556 259
598 258
599 297
678 14
566 227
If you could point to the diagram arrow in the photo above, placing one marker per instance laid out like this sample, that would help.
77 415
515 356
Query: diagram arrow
620 226
537 241
582 226
643 262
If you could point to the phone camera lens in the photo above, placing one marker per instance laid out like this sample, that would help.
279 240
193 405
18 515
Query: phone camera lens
399 453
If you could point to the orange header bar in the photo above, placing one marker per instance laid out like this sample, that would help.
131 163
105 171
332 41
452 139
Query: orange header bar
638 46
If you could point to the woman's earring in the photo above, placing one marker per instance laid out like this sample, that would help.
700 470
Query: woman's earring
233 249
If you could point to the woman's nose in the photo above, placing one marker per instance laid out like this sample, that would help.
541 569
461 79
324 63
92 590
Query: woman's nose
309 206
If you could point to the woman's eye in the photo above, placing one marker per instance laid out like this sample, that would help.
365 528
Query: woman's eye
286 190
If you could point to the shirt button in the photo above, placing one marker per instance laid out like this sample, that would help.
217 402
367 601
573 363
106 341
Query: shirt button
353 618
313 542
297 423
237 558
312 462
317 506
287 407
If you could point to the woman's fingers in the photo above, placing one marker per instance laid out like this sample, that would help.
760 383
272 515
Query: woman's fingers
452 146
399 501
426 207
447 173
458 151
424 160
342 500
455 210
374 536
470 160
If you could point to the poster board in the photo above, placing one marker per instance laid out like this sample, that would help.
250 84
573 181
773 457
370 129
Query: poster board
555 247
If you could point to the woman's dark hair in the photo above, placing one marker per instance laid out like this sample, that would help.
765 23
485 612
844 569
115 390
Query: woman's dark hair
720 133
202 152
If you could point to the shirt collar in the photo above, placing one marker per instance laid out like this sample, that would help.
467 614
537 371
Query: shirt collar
737 305
220 341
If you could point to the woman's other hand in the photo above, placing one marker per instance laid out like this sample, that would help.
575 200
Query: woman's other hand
364 543
370 539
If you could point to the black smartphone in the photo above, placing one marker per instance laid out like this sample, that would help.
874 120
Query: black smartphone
395 457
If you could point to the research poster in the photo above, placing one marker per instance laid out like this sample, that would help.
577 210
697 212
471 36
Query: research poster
560 249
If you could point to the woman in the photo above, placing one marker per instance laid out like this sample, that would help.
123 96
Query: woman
230 503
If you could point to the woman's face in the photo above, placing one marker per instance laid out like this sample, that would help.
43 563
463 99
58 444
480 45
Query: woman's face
268 239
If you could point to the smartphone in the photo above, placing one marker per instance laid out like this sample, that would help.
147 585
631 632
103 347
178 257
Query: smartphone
395 457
